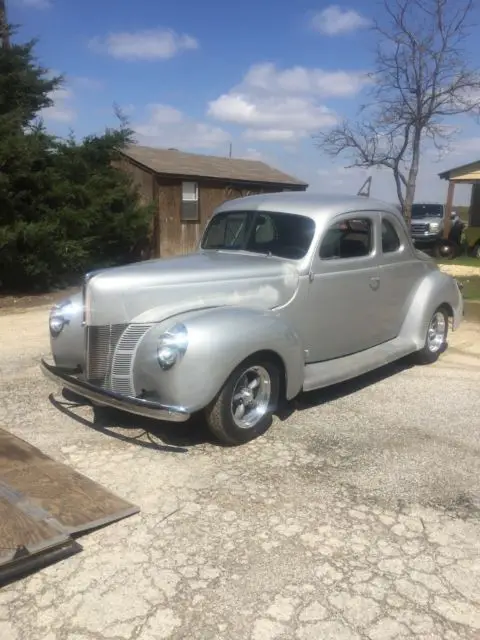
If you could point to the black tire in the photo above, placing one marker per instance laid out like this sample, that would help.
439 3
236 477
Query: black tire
444 249
431 350
219 414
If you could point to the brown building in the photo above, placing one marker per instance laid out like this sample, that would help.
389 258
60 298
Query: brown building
465 174
187 187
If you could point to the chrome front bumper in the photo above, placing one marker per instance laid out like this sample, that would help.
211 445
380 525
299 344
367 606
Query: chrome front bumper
137 406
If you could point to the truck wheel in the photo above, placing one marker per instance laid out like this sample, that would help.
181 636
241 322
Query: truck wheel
244 408
444 249
436 338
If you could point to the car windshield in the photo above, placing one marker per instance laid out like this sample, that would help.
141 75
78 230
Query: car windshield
279 234
427 211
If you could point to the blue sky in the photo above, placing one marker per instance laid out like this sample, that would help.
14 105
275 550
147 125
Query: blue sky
263 75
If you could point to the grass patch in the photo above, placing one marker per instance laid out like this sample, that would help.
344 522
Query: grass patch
471 287
462 261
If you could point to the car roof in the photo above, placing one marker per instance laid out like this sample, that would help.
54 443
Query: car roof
315 205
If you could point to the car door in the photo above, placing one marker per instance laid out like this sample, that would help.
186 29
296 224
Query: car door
400 273
343 299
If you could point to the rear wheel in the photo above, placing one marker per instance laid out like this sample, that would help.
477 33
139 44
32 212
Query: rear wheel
436 338
243 410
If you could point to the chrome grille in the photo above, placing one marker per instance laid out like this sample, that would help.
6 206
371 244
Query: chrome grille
420 227
101 343
122 378
110 353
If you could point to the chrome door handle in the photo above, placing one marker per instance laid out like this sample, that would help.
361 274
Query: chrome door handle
374 283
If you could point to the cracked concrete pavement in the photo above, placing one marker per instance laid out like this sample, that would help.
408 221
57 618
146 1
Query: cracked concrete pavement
356 516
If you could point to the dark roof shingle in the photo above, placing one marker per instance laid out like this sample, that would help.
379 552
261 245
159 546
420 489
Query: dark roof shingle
173 162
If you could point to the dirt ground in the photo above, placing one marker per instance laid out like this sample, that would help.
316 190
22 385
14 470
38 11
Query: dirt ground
10 303
357 515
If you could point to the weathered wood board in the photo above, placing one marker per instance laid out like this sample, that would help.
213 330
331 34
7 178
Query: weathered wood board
43 503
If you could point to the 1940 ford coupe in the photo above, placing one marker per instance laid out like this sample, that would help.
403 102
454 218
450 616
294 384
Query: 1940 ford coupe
287 292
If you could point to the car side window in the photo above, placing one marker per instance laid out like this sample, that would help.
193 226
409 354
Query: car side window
227 230
390 240
350 238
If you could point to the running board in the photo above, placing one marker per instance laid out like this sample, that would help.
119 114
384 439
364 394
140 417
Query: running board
323 374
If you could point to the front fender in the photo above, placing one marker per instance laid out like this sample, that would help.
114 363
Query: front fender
436 289
68 348
218 341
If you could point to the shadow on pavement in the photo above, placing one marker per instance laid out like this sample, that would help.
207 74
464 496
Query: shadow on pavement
310 399
154 434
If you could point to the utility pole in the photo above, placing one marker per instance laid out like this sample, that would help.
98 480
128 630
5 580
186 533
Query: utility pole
4 34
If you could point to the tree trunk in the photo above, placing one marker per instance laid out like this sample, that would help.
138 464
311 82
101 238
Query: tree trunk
4 34
398 184
412 177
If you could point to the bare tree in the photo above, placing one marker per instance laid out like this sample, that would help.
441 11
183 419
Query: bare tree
421 78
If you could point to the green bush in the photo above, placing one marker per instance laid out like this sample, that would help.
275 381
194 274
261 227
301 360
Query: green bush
64 209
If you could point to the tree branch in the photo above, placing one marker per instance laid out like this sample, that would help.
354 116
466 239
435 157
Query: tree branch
422 77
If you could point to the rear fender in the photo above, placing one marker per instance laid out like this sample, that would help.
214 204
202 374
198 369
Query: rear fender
435 290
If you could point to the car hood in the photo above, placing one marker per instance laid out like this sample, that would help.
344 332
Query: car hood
154 290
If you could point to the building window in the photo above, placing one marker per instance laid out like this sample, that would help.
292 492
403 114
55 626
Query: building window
189 211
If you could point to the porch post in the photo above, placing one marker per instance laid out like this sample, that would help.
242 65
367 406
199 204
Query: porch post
448 209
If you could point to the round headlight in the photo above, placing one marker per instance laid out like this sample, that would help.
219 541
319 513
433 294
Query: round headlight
167 356
59 317
57 322
172 345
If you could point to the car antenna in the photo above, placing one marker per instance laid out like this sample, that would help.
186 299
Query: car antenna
365 188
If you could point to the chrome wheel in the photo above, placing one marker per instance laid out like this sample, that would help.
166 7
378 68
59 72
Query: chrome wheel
251 397
437 332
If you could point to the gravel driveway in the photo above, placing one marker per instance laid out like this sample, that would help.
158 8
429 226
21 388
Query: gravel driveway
357 516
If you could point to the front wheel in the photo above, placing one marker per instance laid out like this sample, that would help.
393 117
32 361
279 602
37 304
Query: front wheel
436 338
243 410
445 249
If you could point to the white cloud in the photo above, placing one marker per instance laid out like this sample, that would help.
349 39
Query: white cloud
37 4
271 135
166 126
297 80
62 110
270 118
283 105
252 154
334 21
149 44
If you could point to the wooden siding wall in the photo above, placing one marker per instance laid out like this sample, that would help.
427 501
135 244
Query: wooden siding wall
177 237
144 180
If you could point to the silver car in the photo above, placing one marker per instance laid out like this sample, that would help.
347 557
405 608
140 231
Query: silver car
288 292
